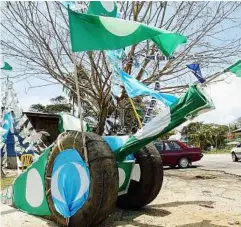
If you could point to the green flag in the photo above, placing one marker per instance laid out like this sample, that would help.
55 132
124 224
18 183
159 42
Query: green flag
68 122
235 68
102 8
6 66
194 102
90 32
29 193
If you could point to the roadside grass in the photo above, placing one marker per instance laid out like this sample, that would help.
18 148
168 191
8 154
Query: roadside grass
218 151
6 181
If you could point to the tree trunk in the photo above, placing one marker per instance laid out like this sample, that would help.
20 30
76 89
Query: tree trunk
102 119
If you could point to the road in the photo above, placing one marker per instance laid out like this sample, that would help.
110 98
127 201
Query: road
219 162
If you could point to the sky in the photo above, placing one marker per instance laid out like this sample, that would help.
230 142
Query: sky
226 97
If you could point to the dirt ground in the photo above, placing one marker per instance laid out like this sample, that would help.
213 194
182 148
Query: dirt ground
189 198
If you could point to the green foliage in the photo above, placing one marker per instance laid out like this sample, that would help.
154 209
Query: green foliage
205 135
167 135
59 105
37 108
57 108
59 100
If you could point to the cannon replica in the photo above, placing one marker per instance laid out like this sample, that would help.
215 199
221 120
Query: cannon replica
80 178
79 190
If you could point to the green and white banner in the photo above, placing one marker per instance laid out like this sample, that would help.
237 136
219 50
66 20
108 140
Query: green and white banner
235 69
91 32
125 170
29 193
68 122
103 8
194 102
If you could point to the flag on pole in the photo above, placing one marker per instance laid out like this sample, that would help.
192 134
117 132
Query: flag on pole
195 68
103 8
135 88
235 69
191 104
6 66
90 32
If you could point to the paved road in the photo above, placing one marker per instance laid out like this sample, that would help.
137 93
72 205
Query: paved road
219 162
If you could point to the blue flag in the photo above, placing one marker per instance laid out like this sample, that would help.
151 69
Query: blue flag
7 125
195 68
135 88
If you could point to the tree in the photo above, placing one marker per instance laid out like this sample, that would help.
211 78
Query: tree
205 135
37 108
59 104
36 35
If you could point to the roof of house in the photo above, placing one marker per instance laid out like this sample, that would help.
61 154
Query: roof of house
40 114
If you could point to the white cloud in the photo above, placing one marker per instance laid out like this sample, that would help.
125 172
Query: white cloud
227 100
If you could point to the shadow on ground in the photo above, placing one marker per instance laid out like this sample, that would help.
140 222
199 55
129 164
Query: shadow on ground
127 217
204 223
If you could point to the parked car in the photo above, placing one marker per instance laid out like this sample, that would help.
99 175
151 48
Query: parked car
236 153
174 153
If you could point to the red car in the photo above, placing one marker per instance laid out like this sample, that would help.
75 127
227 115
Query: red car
177 153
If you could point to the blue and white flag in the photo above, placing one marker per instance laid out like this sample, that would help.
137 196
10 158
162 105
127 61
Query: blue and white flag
115 59
135 88
195 68
6 125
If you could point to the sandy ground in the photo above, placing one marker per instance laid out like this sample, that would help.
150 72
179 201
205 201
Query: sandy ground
189 198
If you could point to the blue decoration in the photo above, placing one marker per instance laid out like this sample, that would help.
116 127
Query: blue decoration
195 68
70 182
7 125
116 142
135 88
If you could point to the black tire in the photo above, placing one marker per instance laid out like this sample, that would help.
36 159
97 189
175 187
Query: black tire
172 166
234 157
104 179
183 162
146 190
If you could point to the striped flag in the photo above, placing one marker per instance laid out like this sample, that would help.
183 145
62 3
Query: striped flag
191 104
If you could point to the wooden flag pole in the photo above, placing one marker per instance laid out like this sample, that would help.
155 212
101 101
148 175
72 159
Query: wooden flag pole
74 57
136 114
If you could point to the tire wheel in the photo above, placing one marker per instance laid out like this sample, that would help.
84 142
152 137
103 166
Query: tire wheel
234 157
183 162
104 182
146 190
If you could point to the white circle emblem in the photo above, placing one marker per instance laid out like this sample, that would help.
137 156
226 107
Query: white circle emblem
54 185
109 6
84 179
122 176
119 27
34 188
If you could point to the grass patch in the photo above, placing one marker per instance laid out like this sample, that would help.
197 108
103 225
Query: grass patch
219 151
6 181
